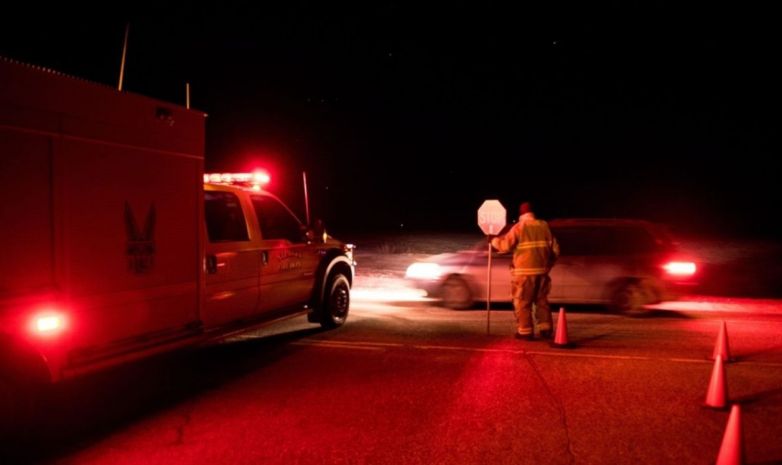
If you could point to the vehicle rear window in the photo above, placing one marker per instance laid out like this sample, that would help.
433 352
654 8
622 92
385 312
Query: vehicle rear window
604 240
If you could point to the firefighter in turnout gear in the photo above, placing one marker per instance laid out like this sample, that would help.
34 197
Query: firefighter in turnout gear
535 249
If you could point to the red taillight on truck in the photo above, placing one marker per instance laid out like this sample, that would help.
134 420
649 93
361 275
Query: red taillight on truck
48 323
680 269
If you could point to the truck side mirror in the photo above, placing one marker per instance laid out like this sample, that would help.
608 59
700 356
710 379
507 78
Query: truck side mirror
319 230
308 234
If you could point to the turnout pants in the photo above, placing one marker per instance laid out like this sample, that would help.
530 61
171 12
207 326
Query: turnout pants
528 290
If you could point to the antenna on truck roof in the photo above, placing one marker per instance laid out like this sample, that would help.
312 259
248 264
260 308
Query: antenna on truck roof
124 54
306 197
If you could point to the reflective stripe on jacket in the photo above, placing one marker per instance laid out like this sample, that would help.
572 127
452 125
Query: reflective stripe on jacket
534 248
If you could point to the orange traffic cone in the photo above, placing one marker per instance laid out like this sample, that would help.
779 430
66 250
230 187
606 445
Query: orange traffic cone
560 338
732 448
717 395
721 348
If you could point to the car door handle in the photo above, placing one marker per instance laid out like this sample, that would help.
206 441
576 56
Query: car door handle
211 264
265 257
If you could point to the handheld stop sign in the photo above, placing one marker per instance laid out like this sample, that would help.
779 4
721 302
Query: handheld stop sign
491 219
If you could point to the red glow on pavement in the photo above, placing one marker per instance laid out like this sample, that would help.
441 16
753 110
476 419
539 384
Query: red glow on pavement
261 177
481 393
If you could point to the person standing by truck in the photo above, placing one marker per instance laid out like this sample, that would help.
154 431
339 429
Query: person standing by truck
535 249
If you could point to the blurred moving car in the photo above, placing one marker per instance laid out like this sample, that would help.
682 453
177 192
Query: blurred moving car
623 264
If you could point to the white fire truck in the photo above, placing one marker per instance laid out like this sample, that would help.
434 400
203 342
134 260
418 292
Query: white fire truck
114 247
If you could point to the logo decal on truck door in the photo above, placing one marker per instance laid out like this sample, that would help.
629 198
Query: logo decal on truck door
141 243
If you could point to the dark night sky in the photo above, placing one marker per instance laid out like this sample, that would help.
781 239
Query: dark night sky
404 114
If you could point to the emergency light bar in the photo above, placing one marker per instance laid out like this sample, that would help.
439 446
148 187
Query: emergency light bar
255 180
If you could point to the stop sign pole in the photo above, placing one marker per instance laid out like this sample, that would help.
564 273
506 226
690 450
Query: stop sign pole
491 219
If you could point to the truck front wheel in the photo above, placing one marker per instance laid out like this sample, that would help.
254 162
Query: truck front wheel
336 301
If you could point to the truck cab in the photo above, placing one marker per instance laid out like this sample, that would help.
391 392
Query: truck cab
261 262
116 246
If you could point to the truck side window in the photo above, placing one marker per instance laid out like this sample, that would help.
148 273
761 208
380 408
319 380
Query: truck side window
224 218
276 221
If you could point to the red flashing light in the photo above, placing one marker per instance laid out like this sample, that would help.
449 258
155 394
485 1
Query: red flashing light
261 177
255 180
680 268
48 323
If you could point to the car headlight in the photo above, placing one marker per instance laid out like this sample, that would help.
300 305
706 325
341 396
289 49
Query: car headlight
423 271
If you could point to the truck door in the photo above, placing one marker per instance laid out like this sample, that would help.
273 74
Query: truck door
232 261
288 261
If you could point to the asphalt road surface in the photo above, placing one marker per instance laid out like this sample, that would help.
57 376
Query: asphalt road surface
407 382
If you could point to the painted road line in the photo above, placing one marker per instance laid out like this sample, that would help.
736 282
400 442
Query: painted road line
369 345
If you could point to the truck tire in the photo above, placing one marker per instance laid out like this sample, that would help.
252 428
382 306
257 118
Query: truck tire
336 301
